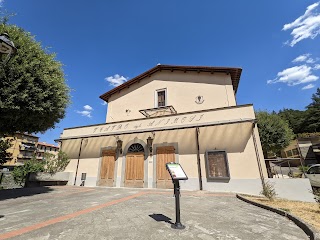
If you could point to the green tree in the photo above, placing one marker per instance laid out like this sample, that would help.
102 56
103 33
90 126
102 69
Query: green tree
5 144
55 163
313 113
275 133
20 173
33 92
295 118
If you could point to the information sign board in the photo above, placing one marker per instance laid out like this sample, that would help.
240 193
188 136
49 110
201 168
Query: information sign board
176 171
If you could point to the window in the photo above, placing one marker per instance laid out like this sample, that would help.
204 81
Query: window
295 151
289 153
217 165
314 170
161 96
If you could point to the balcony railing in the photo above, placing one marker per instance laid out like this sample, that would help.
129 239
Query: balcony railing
28 148
24 156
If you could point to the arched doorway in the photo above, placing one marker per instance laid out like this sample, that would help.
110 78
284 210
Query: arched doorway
134 166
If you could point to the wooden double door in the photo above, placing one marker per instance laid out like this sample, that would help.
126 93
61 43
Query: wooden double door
134 176
164 155
107 168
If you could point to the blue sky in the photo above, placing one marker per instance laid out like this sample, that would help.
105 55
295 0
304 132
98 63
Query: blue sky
103 43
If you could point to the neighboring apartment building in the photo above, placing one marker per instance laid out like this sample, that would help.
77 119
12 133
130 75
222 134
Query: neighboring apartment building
43 147
23 148
305 148
184 114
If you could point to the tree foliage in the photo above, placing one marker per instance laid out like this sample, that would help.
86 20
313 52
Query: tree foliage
312 121
20 173
5 156
56 163
33 92
295 119
304 121
52 164
275 132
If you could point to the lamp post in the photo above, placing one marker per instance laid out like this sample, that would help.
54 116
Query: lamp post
119 145
7 48
149 144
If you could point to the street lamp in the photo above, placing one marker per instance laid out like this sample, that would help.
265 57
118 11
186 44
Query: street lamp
119 145
149 144
7 48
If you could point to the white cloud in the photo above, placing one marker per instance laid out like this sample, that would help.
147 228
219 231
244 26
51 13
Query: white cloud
301 58
87 107
104 103
86 112
295 75
304 58
316 67
305 26
308 86
116 80
1 2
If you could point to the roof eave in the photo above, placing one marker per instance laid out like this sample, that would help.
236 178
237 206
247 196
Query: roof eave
233 71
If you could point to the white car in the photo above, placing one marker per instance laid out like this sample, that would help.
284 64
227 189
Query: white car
313 174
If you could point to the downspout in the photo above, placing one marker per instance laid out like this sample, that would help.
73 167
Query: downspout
75 177
198 159
257 155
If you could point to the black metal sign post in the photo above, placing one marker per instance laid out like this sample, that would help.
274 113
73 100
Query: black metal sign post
176 173
177 224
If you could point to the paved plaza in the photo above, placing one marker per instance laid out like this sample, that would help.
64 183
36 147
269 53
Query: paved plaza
120 213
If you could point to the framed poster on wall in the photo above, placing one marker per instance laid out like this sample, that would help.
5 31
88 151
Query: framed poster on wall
217 166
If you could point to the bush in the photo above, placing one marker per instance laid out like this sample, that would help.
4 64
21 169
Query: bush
55 163
20 173
268 190
303 169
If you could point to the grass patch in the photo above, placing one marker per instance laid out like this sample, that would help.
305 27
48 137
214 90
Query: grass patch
308 212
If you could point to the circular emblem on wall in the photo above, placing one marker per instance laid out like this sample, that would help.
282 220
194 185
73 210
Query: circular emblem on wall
199 99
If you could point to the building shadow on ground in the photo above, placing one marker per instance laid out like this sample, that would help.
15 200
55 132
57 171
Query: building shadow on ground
22 192
161 218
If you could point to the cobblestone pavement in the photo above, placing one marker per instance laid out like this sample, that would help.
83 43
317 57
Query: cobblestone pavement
119 213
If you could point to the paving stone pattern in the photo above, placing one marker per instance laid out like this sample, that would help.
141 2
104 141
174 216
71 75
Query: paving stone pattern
147 216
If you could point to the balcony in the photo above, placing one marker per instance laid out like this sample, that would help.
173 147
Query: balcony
27 148
21 156
29 141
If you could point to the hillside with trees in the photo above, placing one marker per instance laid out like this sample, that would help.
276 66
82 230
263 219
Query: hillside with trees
278 129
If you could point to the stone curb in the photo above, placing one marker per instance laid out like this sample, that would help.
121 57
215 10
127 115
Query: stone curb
310 231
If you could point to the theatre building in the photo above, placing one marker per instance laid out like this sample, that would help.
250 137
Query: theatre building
183 114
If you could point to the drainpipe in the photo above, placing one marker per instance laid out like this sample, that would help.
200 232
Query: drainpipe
257 154
198 158
75 177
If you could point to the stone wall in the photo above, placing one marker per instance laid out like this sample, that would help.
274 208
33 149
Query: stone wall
7 181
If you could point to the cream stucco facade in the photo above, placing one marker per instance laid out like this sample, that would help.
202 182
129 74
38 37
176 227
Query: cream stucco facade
206 122
181 89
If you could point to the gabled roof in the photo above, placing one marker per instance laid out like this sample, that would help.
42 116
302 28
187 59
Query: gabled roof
234 72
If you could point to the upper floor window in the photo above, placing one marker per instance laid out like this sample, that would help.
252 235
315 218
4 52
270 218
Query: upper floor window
161 98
